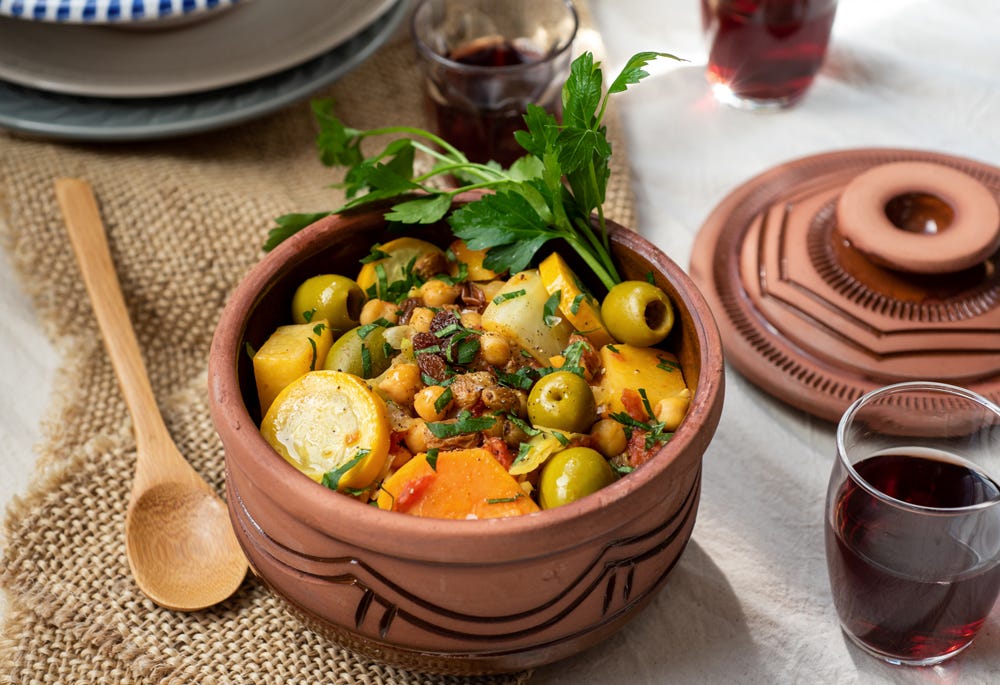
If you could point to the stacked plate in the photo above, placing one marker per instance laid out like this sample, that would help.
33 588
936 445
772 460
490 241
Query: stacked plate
142 69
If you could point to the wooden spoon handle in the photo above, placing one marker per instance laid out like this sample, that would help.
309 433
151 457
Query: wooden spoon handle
90 244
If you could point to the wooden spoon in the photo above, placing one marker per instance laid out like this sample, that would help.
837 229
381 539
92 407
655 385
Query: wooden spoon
178 537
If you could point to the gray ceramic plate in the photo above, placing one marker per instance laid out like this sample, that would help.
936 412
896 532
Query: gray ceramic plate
253 40
69 117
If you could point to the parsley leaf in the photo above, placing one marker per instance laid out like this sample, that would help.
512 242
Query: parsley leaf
288 225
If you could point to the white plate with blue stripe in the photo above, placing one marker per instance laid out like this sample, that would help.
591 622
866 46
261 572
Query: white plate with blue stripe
253 39
119 12
69 117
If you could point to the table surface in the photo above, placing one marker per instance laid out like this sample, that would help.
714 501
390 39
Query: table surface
749 601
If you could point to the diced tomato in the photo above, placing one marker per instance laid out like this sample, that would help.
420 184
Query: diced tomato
636 449
500 450
633 404
412 491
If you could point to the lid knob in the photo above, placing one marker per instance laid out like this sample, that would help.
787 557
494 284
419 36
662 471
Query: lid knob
920 217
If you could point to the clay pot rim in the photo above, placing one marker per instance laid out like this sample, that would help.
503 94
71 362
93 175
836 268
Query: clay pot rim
443 540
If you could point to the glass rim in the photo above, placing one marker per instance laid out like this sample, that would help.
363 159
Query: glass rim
552 54
932 386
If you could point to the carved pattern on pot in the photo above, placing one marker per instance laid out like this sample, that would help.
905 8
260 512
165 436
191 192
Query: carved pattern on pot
614 567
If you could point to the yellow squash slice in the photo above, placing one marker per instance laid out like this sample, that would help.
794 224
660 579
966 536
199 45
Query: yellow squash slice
330 423
577 305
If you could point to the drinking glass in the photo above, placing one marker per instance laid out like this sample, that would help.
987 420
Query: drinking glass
764 54
485 61
913 520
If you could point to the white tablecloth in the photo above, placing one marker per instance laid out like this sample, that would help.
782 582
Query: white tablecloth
749 601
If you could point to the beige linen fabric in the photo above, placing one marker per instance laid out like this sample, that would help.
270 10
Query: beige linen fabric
186 219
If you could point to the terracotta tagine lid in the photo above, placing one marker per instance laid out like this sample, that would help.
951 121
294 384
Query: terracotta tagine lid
839 273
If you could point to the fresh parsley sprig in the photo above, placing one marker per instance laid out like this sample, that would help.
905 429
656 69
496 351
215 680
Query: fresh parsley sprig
550 193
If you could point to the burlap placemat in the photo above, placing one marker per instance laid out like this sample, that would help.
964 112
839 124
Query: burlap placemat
186 219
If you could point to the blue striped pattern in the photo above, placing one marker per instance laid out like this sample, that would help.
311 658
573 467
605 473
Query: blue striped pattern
104 11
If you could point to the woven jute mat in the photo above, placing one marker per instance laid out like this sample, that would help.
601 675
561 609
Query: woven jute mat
186 219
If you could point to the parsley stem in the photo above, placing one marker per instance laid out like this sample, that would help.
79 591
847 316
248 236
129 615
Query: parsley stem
490 175
608 278
420 133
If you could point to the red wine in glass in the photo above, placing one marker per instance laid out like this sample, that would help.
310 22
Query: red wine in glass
913 586
765 52
479 110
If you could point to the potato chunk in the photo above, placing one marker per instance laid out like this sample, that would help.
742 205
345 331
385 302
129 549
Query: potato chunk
518 312
290 352
628 368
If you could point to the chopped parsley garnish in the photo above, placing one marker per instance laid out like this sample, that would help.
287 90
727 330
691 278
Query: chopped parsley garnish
668 365
376 254
503 297
464 423
503 500
549 311
319 328
365 330
522 379
654 429
366 361
523 425
443 399
574 306
432 458
315 352
331 479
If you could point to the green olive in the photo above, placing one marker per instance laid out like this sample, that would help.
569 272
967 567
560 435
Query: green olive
571 474
365 357
637 313
335 298
562 401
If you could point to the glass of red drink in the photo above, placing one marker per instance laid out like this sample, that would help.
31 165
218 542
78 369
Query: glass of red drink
485 61
913 520
765 53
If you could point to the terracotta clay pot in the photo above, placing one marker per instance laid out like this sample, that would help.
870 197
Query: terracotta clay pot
447 596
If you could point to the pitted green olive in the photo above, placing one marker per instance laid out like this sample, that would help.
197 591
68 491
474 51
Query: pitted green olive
637 313
365 357
563 401
335 298
571 474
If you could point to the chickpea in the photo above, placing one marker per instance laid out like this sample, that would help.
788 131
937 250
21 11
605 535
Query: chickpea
490 289
401 382
425 403
471 319
494 348
437 293
378 309
608 437
671 410
416 437
420 319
